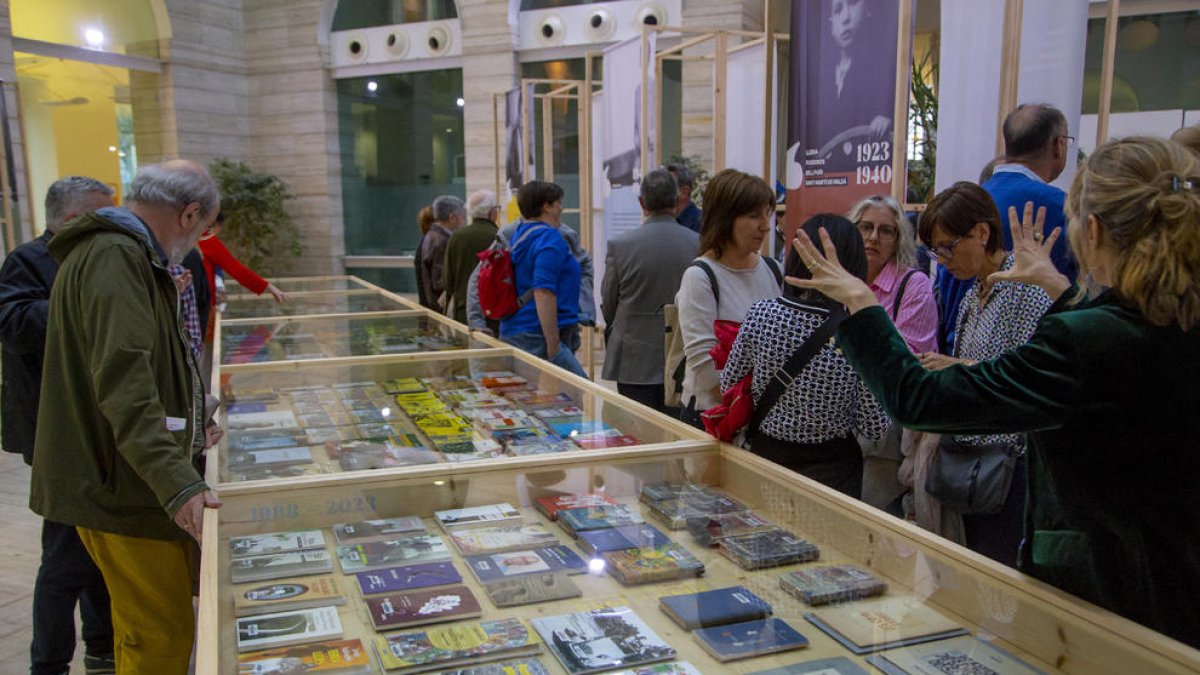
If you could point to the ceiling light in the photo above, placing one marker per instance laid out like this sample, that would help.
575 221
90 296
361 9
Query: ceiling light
112 148
372 86
460 102
93 37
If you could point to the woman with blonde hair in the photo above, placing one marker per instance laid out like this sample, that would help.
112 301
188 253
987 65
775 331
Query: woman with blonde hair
1107 388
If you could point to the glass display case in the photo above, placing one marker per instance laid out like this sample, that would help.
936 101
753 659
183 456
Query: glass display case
335 284
242 307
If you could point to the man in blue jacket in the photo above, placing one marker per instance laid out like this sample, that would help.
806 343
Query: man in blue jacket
67 574
1036 149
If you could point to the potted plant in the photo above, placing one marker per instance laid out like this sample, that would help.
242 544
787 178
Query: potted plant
257 228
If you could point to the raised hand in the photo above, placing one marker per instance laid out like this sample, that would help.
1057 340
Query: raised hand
1031 253
828 275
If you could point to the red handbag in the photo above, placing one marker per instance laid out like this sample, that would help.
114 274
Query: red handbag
735 411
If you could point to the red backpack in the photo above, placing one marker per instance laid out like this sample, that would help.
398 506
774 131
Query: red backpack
498 281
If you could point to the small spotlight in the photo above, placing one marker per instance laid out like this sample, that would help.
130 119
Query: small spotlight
596 565
94 37
372 86
439 483
449 130
112 148
460 102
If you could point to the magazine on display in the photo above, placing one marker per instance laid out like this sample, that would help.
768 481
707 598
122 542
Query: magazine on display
832 583
553 505
710 530
407 578
749 639
598 517
374 555
676 512
964 654
417 608
717 607
596 542
768 549
501 538
601 639
530 589
633 566
342 657
275 457
552 560
282 629
672 668
476 515
443 647
289 594
280 565
838 665
261 421
275 542
521 667
375 530
876 624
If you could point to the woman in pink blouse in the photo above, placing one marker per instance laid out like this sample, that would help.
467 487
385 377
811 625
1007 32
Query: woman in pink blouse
907 296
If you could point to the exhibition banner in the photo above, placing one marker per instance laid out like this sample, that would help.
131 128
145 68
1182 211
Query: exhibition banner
842 92
521 157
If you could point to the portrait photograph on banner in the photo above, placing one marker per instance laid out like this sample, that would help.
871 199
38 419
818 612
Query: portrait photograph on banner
842 94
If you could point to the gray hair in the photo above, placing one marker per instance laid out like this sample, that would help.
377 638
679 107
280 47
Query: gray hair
446 206
659 191
481 203
65 195
683 175
906 240
176 184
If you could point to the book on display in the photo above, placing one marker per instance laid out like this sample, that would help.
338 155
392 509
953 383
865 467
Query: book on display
551 560
601 639
280 565
375 530
772 548
281 629
749 639
598 517
671 668
551 506
501 538
417 608
651 564
595 542
710 530
838 665
717 607
289 594
275 542
530 589
476 515
876 624
261 421
519 667
410 577
676 512
374 555
963 654
342 657
831 583
274 457
445 647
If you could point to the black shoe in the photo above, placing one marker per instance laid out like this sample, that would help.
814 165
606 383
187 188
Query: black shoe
99 665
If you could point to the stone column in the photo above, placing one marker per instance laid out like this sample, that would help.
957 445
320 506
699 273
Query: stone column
489 66
8 73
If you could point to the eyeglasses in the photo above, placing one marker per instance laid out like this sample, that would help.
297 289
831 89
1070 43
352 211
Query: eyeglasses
1070 140
883 232
946 253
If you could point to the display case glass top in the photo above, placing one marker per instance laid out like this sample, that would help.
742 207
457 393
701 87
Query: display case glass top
306 339
306 285
307 304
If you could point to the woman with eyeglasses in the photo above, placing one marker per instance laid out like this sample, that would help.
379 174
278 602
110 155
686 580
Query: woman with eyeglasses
906 294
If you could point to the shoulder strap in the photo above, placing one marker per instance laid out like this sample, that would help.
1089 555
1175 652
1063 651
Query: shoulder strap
525 235
774 265
712 279
796 362
900 294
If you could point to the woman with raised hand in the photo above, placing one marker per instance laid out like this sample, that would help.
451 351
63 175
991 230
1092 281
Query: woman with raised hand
1107 388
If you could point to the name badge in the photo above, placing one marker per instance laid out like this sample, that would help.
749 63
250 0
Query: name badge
176 423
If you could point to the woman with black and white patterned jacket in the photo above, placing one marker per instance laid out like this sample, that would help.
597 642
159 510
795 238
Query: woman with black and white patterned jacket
812 426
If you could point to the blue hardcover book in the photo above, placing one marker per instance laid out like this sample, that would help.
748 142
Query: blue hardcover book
549 560
717 607
749 639
838 665
596 542
598 517
406 578
578 427
241 408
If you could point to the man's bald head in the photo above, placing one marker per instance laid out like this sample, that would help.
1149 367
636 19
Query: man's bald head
1032 130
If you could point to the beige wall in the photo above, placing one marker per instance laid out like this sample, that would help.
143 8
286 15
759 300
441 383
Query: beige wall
9 75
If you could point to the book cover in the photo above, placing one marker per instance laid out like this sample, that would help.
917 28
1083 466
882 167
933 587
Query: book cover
839 665
717 607
275 542
546 447
663 491
374 530
410 577
531 588
520 667
532 435
538 398
442 647
476 515
710 530
768 549
243 408
671 668
344 657
634 566
279 565
288 595
417 608
383 456
501 537
749 639
373 555
323 435
275 457
578 427
247 442
598 517
595 542
552 505
271 420
503 381
601 639
831 583
604 440
883 623
559 412
555 560
676 512
963 654
281 629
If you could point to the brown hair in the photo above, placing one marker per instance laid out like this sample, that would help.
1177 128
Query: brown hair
1145 193
957 209
729 195
1188 137
425 219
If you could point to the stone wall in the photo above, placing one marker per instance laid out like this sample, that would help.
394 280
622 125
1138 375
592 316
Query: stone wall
8 75
489 67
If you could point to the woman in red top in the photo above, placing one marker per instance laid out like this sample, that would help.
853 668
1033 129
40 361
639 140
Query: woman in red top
216 255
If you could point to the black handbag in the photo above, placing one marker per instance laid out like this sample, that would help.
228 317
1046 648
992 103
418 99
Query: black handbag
971 479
